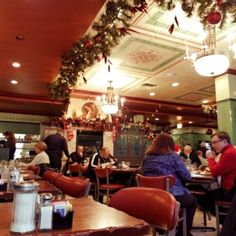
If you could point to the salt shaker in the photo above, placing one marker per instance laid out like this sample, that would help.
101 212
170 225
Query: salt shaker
45 211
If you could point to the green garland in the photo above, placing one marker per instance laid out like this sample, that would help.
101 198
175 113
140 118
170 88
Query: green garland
93 48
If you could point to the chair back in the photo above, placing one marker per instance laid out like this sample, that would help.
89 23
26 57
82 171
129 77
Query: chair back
157 207
43 167
164 182
107 185
74 187
78 169
51 175
35 169
102 172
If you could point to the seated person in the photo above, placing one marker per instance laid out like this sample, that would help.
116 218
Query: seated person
78 155
161 159
102 158
188 152
75 157
203 160
224 167
41 159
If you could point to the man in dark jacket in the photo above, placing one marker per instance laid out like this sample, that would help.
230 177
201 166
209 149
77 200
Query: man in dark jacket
56 144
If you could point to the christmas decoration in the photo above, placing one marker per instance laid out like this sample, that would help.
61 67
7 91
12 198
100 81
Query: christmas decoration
214 17
114 124
91 48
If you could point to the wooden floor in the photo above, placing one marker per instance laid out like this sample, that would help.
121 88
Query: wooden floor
198 221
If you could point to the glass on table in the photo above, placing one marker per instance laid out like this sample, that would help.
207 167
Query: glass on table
127 163
193 167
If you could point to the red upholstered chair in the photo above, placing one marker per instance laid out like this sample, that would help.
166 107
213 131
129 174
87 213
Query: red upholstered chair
78 169
35 169
162 182
74 187
106 187
157 207
51 175
81 170
165 182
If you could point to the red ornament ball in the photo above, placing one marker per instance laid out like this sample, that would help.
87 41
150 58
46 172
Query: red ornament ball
214 17
88 44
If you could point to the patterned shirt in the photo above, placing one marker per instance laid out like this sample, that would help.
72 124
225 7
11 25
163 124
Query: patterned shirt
168 164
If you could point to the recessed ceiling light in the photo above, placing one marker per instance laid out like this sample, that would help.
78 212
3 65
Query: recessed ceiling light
14 82
152 94
190 122
175 84
179 118
157 118
205 101
171 74
16 64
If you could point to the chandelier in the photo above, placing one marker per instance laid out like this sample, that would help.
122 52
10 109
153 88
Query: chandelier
210 62
110 102
210 110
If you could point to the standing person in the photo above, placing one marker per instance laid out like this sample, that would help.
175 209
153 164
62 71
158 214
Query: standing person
10 143
56 145
224 167
41 159
161 159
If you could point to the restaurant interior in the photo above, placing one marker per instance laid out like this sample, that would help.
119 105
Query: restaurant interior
116 73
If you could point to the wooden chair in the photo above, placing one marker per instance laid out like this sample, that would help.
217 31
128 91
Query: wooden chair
156 206
165 183
104 186
221 208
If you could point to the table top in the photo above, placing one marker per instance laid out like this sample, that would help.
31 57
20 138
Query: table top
201 176
129 169
89 217
44 187
29 175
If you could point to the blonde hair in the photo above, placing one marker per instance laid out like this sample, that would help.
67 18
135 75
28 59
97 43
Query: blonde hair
42 146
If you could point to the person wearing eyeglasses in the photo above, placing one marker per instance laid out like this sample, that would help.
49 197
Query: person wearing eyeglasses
224 167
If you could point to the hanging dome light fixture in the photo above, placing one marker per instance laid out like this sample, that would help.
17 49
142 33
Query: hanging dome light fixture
210 62
110 102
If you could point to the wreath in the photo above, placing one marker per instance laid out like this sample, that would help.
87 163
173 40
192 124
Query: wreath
113 24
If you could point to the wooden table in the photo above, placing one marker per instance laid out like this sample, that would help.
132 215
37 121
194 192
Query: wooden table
29 175
44 187
89 217
126 170
201 177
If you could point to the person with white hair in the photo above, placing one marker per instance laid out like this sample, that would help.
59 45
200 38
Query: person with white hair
188 152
